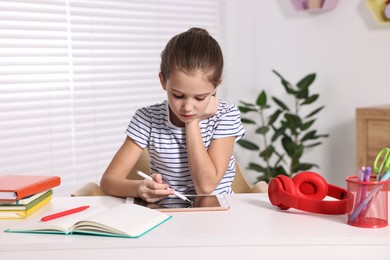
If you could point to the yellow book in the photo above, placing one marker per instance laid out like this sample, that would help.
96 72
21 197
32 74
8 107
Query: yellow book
20 214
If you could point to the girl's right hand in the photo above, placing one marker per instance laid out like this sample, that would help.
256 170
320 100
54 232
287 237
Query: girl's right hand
153 190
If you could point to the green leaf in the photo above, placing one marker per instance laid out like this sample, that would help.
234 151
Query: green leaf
247 121
310 99
247 104
256 167
306 81
267 152
280 103
279 160
293 121
248 145
309 136
262 99
262 130
278 132
287 86
246 109
274 117
288 145
306 166
298 150
263 178
315 112
302 94
280 170
278 74
307 125
312 145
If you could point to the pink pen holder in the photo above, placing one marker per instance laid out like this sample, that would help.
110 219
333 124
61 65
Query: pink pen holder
370 203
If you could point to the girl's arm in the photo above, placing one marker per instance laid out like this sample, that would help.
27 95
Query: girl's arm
207 167
115 183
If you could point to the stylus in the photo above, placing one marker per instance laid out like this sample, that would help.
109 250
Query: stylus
181 196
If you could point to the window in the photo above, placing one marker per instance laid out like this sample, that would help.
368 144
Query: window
72 73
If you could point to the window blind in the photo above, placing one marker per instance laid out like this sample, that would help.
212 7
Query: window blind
72 73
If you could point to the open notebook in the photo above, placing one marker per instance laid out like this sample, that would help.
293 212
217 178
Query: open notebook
124 220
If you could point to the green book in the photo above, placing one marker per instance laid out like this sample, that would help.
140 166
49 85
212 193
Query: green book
20 214
27 204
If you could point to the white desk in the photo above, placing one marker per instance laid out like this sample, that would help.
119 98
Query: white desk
251 229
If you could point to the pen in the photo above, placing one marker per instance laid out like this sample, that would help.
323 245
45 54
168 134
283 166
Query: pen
63 213
143 175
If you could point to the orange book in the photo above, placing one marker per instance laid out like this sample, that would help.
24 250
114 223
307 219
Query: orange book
16 187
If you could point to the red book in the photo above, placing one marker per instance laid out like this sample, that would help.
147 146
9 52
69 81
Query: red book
16 187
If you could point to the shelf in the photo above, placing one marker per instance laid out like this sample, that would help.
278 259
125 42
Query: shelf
377 8
314 5
372 133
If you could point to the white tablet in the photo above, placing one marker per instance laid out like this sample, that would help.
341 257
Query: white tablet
199 203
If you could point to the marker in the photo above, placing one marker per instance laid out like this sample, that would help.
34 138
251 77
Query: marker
361 175
145 176
63 213
367 175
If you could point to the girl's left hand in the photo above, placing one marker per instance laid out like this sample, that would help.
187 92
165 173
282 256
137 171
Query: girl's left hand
211 109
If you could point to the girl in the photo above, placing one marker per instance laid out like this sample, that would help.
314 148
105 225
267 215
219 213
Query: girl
190 136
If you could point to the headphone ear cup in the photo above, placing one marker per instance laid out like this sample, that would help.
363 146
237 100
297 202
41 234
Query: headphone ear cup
310 185
280 184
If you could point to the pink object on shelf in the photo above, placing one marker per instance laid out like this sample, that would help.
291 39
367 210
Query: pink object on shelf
314 5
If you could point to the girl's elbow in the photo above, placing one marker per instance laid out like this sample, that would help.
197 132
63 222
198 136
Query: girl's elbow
206 189
105 185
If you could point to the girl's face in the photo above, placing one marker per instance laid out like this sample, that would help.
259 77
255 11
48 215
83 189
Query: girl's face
188 95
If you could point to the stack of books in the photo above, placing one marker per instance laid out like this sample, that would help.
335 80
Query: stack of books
22 195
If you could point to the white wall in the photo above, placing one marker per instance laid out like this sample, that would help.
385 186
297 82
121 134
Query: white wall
345 47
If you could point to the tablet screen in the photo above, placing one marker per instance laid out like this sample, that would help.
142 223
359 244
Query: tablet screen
199 202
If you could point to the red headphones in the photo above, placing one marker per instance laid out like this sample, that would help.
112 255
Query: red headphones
306 191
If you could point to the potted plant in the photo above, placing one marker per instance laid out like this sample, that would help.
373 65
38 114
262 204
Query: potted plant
285 133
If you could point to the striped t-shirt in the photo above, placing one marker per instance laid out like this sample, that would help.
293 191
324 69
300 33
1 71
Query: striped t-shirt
151 128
